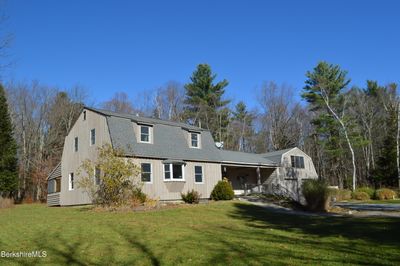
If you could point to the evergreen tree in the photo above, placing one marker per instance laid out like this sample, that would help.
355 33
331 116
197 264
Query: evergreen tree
324 91
8 151
205 106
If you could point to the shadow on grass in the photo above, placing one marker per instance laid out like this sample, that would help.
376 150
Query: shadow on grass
376 230
133 241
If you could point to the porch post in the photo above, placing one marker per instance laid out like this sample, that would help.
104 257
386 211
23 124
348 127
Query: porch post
259 179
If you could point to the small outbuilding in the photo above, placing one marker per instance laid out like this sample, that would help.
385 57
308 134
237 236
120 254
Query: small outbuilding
293 167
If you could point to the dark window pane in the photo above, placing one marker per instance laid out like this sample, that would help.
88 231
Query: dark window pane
167 171
97 176
198 178
146 177
177 171
198 170
76 144
144 138
146 168
144 130
293 161
301 162
93 136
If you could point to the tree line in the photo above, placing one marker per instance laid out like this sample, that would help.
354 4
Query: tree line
351 133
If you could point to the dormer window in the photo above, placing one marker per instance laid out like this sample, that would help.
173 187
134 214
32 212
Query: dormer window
145 134
194 140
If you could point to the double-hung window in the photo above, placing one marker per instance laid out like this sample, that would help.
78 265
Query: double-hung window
297 161
198 174
146 172
174 172
92 137
194 140
145 134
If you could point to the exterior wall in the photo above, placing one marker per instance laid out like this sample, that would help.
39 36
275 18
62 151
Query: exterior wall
171 190
288 171
286 180
71 160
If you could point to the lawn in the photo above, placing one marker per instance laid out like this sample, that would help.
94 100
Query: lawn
217 233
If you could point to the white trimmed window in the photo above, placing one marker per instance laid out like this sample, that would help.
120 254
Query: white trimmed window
84 115
198 174
194 140
146 172
97 173
92 137
76 144
145 134
71 181
174 172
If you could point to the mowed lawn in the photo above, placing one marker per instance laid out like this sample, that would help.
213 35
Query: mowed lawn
222 233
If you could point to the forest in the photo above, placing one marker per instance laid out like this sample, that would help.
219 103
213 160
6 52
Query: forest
351 132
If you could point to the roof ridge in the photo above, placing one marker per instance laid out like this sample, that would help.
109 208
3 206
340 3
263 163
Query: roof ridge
138 118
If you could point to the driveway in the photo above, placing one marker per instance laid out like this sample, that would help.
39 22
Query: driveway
368 206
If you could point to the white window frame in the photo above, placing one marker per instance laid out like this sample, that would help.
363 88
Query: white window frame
202 174
76 144
90 137
151 173
198 140
171 170
71 181
150 133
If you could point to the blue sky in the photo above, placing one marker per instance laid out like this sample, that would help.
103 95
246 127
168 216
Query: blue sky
131 46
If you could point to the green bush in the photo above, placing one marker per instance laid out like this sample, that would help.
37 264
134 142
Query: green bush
340 194
222 191
368 190
191 197
360 195
385 194
139 195
316 193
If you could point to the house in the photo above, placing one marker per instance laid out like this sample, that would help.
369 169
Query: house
173 157
293 167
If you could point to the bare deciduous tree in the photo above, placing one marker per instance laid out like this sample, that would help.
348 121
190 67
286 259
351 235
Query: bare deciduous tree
281 116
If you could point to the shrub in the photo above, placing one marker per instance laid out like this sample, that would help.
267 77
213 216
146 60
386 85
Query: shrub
119 178
385 194
360 195
316 193
191 197
340 194
368 190
222 191
138 195
6 203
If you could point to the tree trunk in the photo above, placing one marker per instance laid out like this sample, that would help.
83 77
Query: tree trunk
347 140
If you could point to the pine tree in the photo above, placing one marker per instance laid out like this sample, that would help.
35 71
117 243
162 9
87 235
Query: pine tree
8 151
204 100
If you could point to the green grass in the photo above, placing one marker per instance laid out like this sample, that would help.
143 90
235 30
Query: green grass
222 233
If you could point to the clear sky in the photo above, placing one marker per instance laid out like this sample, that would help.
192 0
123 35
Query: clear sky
131 46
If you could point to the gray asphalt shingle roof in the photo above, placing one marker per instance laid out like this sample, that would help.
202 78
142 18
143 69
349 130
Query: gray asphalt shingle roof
275 156
170 142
